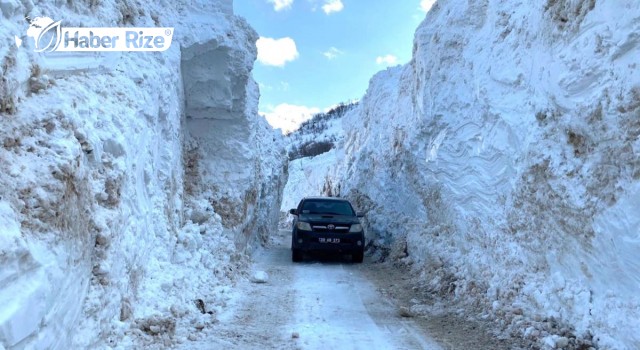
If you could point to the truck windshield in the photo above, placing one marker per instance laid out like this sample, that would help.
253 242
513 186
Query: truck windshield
327 208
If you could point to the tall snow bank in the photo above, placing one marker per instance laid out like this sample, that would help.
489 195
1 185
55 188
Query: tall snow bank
226 135
502 163
109 229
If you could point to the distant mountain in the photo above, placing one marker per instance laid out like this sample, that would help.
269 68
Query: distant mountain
318 134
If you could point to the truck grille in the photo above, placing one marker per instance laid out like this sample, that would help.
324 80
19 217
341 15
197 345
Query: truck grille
330 228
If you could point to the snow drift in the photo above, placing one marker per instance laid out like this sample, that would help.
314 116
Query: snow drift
131 184
502 163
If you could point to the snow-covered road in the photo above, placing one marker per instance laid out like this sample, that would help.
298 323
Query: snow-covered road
326 304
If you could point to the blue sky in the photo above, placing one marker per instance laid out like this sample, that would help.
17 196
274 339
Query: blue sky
314 54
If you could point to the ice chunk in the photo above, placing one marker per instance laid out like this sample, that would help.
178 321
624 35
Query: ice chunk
260 277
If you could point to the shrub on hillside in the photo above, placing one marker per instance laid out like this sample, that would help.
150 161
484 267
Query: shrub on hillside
319 122
310 149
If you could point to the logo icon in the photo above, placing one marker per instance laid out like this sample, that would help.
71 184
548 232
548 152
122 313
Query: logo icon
46 33
331 227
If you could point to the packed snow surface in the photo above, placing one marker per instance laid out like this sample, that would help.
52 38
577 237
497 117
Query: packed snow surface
317 304
131 184
502 164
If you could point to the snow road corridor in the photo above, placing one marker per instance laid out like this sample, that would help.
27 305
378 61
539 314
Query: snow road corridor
317 304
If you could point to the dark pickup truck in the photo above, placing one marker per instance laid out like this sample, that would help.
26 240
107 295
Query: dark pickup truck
326 224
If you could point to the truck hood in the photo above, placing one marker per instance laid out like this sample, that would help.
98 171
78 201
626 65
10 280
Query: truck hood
328 219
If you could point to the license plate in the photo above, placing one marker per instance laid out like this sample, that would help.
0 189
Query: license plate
329 240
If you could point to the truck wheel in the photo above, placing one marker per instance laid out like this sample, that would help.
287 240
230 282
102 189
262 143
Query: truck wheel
296 255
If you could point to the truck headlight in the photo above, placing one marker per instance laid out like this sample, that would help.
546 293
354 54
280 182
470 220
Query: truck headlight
355 228
304 226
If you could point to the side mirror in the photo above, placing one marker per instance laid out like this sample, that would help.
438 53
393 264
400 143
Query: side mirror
360 214
293 212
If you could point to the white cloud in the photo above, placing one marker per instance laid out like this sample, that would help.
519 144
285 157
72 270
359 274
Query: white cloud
425 5
279 5
331 6
332 53
265 87
276 52
389 60
289 117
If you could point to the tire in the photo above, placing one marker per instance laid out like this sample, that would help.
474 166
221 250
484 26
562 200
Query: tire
357 257
296 255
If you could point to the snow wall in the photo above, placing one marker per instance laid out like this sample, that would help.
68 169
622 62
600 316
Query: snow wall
131 184
503 164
